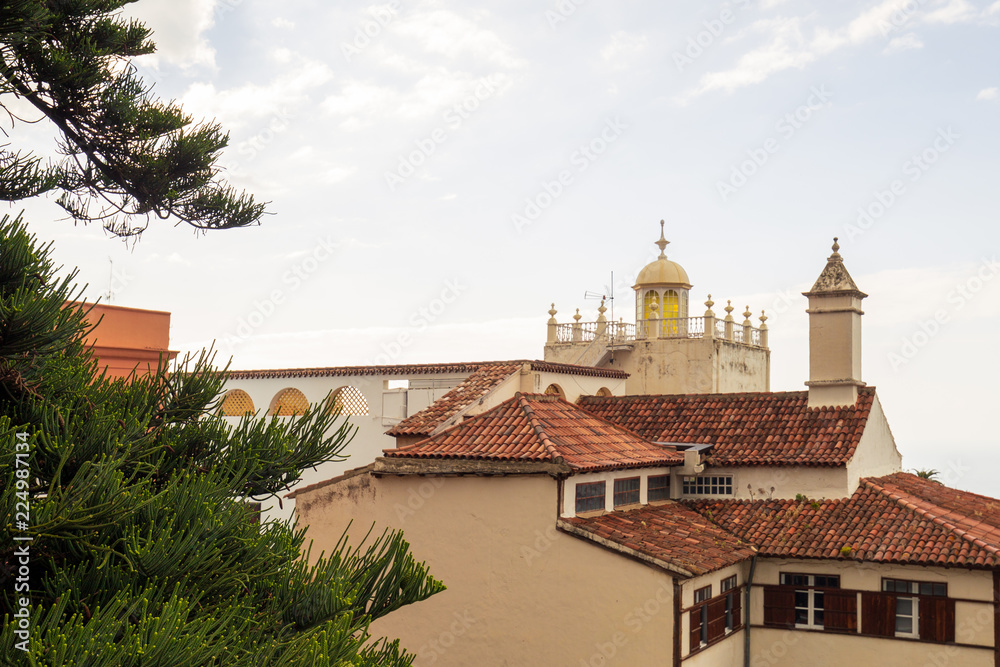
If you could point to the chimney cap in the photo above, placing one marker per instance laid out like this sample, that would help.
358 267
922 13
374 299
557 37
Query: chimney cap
835 279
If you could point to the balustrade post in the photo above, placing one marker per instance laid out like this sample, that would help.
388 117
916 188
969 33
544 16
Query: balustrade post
747 327
602 321
729 321
577 331
552 324
709 319
763 330
654 320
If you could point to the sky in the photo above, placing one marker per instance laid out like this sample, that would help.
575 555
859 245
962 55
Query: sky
440 172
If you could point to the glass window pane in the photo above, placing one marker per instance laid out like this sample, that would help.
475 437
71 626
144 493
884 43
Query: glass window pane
926 589
801 598
904 624
818 617
904 606
818 599
940 589
802 617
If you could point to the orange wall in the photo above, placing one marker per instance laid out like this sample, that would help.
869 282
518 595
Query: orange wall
128 338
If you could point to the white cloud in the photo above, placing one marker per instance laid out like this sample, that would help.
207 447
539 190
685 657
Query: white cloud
446 33
908 41
338 174
952 11
282 23
988 94
178 29
623 45
234 107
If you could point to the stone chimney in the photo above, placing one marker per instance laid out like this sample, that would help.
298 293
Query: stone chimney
834 336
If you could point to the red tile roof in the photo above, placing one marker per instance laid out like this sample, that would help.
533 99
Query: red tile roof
539 427
895 519
480 383
670 533
420 369
746 429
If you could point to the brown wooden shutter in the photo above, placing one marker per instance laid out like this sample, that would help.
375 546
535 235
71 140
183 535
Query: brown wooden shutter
779 607
840 610
878 614
694 619
937 619
716 618
738 607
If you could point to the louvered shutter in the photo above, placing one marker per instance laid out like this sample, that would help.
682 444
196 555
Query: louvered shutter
738 607
779 607
878 614
716 618
840 610
694 617
937 619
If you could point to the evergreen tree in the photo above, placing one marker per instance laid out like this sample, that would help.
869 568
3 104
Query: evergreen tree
132 154
125 502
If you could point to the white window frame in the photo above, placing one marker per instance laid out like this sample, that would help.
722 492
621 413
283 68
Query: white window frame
690 485
810 591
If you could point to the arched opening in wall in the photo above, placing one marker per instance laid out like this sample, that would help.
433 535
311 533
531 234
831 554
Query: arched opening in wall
287 402
555 390
604 391
671 311
236 403
349 401
647 305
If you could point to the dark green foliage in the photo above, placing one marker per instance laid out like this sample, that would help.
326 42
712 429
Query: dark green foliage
142 550
132 154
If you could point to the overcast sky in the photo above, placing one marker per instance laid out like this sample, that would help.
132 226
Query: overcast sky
440 172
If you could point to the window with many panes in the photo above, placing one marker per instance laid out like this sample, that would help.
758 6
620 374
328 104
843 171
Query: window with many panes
907 603
659 488
626 491
708 485
809 598
702 595
589 497
729 589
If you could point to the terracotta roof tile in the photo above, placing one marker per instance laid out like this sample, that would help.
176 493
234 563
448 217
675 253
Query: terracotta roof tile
480 383
671 533
895 519
420 369
746 429
539 427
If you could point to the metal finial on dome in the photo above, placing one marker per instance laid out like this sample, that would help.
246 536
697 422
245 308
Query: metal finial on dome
663 242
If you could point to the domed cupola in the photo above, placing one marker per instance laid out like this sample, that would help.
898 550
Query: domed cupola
661 290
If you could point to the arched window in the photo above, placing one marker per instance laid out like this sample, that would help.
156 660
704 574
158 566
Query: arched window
604 391
288 402
671 305
555 390
349 401
647 305
236 403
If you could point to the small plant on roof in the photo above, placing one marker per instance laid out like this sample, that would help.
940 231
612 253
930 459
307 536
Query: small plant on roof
846 550
800 498
930 475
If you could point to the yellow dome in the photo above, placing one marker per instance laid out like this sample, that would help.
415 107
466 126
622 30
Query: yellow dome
662 271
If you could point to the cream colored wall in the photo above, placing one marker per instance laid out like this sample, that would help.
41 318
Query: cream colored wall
788 648
973 620
876 454
788 481
739 368
519 592
609 477
726 653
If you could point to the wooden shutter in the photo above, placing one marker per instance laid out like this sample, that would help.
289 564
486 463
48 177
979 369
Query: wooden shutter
937 619
878 614
779 607
840 610
716 618
694 619
738 607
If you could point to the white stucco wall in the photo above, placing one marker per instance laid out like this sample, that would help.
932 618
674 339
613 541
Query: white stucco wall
814 482
608 477
876 454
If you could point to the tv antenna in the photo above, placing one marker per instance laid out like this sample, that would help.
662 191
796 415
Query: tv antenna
607 295
111 279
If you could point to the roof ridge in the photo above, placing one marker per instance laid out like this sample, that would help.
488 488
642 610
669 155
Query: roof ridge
897 498
538 429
